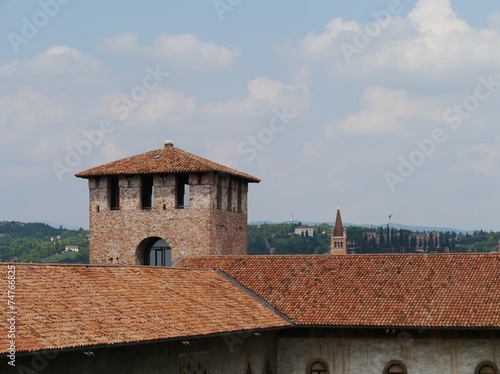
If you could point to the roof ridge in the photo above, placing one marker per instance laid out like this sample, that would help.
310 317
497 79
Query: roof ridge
255 296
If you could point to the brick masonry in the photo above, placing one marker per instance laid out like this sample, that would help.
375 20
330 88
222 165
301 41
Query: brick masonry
121 236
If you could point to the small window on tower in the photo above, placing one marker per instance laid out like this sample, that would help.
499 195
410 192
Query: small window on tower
147 192
182 191
114 192
219 192
229 193
240 195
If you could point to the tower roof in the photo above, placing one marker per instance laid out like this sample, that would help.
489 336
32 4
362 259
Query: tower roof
162 161
338 230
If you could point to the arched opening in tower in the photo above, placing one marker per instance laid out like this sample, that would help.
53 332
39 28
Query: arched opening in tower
154 251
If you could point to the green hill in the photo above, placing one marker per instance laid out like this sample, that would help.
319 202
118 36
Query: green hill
39 242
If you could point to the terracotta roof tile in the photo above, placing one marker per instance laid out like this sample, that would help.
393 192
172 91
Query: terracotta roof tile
163 161
436 290
67 306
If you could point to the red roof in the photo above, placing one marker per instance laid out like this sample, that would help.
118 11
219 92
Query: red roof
338 230
66 306
435 290
163 161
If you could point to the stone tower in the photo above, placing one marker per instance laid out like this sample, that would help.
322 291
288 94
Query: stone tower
338 242
159 206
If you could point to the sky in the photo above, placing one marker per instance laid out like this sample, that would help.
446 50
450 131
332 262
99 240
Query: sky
381 107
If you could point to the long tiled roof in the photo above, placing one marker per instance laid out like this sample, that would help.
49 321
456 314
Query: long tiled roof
163 161
67 306
435 290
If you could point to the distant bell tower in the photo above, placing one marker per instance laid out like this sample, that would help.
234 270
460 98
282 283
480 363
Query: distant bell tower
159 206
338 243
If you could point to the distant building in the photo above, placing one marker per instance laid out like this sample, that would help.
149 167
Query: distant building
338 242
423 240
299 230
72 248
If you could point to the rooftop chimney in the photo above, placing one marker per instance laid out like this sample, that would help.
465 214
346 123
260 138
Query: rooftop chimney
168 144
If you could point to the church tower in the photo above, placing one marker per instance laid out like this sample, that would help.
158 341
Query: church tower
338 243
159 206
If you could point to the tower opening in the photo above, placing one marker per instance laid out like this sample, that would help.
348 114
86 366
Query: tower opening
154 251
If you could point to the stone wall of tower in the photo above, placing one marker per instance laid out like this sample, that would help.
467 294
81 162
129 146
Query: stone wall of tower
229 231
338 244
201 229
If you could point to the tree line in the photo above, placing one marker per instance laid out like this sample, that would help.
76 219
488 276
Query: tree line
39 242
280 238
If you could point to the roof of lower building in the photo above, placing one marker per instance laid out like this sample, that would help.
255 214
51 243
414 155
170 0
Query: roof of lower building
435 290
77 306
163 161
70 306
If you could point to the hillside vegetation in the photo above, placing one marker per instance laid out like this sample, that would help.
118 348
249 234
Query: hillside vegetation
39 242
280 239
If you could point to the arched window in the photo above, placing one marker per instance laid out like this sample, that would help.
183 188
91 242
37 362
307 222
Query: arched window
395 367
486 367
317 366
154 251
159 254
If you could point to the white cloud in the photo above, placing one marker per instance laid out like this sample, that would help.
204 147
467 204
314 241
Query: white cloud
183 51
432 41
481 158
160 104
437 17
323 45
494 21
26 111
55 69
165 105
263 95
384 111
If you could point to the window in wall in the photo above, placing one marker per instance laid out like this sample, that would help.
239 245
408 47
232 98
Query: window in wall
318 368
219 192
147 192
114 192
487 368
240 195
395 367
229 193
182 191
159 254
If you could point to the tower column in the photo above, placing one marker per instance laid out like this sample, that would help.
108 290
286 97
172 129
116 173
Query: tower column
338 238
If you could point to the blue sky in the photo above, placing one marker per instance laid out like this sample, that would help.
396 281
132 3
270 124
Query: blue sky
383 106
